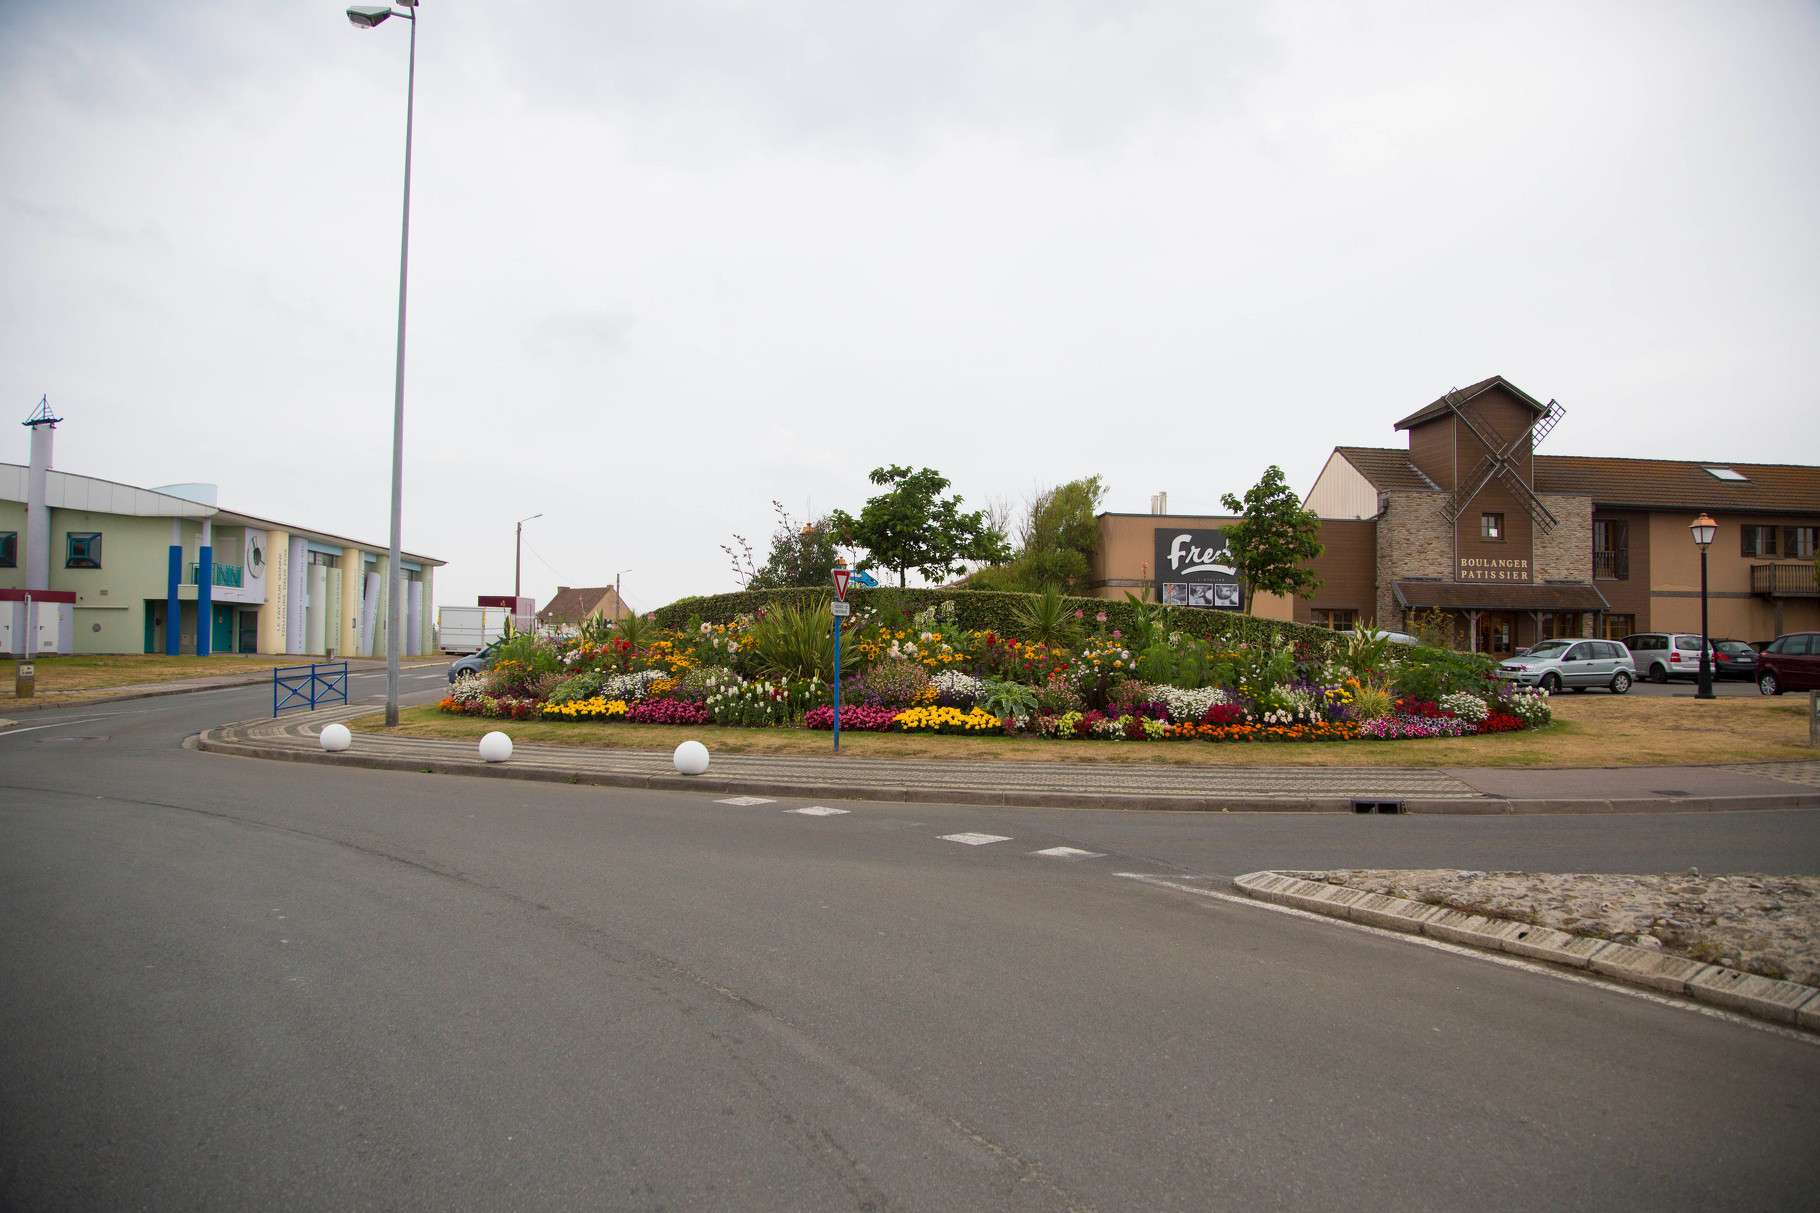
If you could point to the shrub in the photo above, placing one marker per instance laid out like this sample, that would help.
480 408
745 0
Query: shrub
1530 705
994 611
1057 697
669 711
862 717
1184 705
572 690
1466 706
893 683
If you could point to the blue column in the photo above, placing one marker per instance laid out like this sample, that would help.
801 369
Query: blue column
205 577
173 605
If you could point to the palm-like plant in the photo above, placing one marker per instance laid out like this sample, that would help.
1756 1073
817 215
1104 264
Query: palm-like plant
1045 619
794 641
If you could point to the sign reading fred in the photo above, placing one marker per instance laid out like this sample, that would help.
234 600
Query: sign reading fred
1193 568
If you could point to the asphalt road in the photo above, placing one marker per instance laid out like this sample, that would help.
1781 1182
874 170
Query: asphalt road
228 983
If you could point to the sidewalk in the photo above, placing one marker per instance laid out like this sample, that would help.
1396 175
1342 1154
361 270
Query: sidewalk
293 737
10 706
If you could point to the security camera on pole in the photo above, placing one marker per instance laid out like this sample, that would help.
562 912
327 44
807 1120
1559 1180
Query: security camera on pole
841 609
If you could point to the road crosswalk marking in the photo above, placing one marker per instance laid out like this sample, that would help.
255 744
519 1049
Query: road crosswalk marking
746 800
1068 853
975 840
818 810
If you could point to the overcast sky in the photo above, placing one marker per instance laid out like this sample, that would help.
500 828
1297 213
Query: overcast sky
671 261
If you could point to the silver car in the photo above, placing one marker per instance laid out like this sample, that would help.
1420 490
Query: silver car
1579 664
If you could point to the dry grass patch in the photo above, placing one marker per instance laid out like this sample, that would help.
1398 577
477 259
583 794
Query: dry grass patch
102 672
1589 731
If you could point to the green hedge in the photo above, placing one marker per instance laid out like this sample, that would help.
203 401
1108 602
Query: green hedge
993 610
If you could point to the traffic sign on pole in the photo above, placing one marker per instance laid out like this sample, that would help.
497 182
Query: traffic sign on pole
842 575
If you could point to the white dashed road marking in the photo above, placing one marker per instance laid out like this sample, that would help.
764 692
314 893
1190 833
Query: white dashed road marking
1068 853
975 840
819 810
746 800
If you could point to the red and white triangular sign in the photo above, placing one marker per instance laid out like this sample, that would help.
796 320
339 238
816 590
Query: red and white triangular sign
842 575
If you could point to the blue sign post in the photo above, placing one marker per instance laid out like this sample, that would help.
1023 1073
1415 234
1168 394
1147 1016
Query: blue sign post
841 609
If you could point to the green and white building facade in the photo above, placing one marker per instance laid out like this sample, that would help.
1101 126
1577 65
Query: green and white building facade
92 566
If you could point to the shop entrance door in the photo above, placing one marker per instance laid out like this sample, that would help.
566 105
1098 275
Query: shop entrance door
1497 633
221 628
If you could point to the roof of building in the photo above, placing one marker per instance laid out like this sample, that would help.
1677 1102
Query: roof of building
1500 596
1657 484
68 491
1388 469
1430 411
1773 488
575 604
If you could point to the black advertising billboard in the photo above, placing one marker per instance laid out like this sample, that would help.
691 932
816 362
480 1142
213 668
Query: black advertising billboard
1193 568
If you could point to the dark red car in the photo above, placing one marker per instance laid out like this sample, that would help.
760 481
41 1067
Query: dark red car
1792 663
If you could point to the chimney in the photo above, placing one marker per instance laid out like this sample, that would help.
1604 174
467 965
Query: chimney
37 515
1159 503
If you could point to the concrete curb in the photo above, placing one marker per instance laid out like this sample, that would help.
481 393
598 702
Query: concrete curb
1783 1001
228 739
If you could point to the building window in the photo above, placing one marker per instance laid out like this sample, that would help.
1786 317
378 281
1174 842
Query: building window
1617 627
1757 541
1491 528
84 550
323 559
1799 542
1339 621
9 549
1555 625
1611 550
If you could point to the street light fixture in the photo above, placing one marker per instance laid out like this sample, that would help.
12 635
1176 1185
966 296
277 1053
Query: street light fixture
367 16
1704 528
518 559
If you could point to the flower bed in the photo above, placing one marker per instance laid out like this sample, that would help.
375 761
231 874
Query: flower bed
1130 674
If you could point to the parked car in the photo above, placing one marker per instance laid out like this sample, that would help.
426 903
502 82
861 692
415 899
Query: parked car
1792 663
1660 656
1734 659
472 664
1579 664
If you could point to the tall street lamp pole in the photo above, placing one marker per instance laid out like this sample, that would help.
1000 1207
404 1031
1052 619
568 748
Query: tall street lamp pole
367 16
1704 528
518 559
616 598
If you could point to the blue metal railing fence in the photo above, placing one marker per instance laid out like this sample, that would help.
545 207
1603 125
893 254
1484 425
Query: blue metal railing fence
296 685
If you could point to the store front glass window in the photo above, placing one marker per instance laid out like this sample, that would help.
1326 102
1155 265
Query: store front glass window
1497 632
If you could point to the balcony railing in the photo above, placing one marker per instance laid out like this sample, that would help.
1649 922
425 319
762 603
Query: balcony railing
1611 566
219 574
1784 580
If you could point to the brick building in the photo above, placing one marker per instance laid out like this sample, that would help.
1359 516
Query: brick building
1512 546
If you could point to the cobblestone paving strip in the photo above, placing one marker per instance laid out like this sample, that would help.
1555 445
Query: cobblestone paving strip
1789 772
1767 925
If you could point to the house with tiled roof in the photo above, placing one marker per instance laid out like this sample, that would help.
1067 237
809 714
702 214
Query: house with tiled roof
574 606
1512 546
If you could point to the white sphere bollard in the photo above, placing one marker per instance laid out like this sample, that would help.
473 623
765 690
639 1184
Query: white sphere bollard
691 758
335 737
495 747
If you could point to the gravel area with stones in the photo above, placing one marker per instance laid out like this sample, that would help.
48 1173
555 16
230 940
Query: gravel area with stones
1768 925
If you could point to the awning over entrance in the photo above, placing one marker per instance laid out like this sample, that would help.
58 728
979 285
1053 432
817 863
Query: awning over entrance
1475 596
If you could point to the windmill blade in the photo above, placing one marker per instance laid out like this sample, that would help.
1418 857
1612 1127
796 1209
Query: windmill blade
1532 503
1478 478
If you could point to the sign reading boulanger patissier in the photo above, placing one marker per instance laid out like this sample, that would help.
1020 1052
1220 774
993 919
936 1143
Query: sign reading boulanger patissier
1489 568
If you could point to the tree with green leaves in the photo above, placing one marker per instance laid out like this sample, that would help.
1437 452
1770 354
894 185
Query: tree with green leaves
800 555
1056 542
912 526
1274 538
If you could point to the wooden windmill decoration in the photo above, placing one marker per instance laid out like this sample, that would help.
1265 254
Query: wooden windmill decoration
1502 460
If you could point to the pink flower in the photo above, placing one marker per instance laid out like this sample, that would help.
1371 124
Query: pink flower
1101 617
1080 614
1118 635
